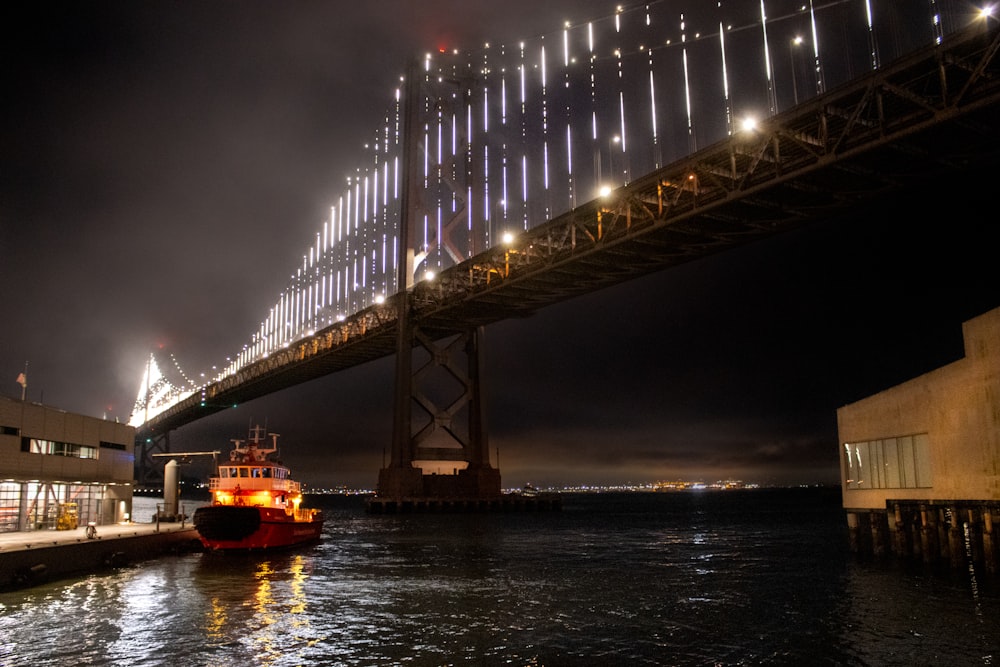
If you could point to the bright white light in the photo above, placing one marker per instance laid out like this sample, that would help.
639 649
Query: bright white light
749 124
379 299
508 237
605 190
429 275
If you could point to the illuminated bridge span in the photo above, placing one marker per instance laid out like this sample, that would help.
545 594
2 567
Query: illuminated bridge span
520 175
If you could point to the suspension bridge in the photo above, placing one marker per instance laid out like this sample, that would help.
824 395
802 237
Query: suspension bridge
504 180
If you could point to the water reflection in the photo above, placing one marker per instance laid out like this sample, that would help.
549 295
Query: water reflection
642 581
905 614
257 602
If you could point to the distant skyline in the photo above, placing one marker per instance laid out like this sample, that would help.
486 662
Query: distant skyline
163 165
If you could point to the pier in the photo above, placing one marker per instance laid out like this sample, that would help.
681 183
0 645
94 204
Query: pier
508 502
30 558
951 533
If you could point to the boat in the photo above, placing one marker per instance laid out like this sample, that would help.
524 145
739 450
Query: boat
256 506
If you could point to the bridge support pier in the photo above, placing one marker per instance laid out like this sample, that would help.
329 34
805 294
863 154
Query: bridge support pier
447 457
148 472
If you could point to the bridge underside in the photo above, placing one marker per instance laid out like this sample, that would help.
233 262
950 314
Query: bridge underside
927 120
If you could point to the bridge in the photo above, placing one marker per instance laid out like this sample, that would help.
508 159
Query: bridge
515 177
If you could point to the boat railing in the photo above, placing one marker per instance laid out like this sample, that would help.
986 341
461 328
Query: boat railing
253 484
303 514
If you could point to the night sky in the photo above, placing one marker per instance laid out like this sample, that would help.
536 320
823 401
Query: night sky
163 165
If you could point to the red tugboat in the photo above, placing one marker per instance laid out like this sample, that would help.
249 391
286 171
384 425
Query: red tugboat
255 503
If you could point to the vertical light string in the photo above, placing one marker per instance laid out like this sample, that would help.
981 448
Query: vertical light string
504 193
487 198
359 253
385 207
692 141
727 102
545 132
595 144
872 43
366 248
374 225
653 119
568 119
817 65
341 262
398 214
619 140
772 99
936 27
437 180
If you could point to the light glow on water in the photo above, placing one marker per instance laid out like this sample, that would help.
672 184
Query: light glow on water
633 576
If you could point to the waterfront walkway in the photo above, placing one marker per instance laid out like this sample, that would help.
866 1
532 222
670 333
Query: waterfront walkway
36 539
33 557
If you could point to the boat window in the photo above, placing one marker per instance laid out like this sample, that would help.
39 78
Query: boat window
255 472
265 472
244 472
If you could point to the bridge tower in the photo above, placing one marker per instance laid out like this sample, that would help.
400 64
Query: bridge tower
440 448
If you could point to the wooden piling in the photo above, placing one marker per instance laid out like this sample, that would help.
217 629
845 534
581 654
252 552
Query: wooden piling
951 533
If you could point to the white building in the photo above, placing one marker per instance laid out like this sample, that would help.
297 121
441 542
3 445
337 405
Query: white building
59 470
921 461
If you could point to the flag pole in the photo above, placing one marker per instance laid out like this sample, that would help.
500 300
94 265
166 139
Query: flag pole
24 385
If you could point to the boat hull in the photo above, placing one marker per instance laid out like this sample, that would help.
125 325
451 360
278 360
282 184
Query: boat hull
235 528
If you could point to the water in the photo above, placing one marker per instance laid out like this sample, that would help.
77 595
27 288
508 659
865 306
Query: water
715 578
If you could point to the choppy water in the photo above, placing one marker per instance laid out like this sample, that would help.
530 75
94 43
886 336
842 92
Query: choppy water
718 578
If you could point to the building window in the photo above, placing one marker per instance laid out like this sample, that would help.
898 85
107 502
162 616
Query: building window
39 446
49 506
891 463
10 506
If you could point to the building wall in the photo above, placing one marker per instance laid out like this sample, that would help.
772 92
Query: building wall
60 489
956 406
19 418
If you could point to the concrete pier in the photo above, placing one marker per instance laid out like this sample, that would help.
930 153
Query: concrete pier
29 558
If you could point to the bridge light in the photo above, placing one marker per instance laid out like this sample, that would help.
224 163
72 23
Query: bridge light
428 275
605 191
508 238
986 11
749 124
379 299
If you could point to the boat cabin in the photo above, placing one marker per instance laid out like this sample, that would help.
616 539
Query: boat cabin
260 472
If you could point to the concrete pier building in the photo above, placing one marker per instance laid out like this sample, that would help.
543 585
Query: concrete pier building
920 462
60 470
